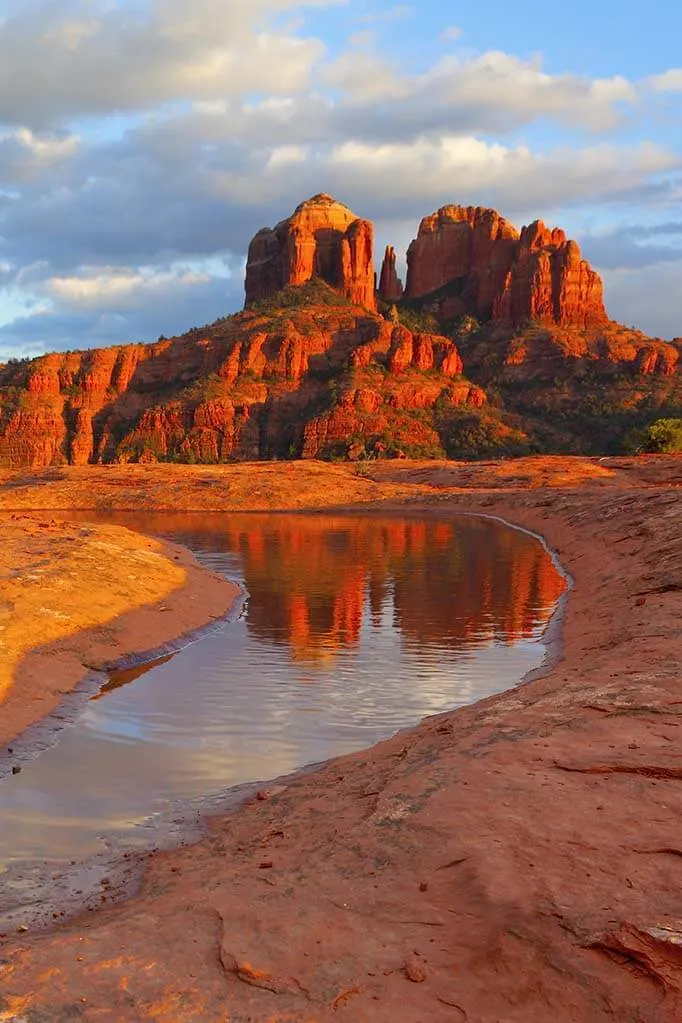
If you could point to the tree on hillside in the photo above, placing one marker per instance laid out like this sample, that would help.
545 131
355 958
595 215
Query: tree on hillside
662 437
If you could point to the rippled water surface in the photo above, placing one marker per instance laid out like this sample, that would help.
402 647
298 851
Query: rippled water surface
354 627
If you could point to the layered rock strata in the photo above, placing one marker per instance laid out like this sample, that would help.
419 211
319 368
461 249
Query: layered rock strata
322 239
249 387
318 372
475 262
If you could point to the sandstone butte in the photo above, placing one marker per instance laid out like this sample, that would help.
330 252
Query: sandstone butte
484 267
320 365
322 239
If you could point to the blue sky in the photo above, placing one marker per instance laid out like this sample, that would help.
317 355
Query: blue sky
143 143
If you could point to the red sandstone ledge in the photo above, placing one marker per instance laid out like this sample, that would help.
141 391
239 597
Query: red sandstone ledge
512 862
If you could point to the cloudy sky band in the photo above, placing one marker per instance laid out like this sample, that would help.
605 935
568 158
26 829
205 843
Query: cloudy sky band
143 143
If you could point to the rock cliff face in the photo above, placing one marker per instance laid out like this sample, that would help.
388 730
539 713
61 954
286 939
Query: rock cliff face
322 239
317 372
323 379
470 260
465 261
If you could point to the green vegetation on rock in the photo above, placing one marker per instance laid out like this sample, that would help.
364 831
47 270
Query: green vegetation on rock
662 437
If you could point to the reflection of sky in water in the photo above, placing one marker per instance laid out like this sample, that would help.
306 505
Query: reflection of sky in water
340 647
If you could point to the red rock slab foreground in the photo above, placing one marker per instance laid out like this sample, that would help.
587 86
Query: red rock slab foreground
516 861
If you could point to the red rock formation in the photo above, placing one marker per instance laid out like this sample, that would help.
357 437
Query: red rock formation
322 239
482 267
550 282
470 245
422 352
323 377
357 281
243 389
390 285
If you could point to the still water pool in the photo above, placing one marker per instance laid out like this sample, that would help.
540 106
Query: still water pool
352 628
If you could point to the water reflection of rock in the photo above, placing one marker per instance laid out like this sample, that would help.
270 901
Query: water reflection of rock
315 580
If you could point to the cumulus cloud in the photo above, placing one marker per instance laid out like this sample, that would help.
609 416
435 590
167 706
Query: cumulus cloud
78 58
493 90
668 81
119 305
117 289
491 173
144 145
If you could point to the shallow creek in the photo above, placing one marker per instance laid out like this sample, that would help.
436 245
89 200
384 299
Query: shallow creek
351 628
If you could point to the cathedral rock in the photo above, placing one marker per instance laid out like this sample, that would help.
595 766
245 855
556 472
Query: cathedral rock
322 239
470 260
465 260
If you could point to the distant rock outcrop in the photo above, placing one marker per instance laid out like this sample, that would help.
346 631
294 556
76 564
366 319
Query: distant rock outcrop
317 372
472 261
322 239
390 285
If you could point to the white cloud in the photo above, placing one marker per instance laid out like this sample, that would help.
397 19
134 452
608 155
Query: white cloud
59 61
77 58
24 155
286 156
521 88
364 76
117 289
215 118
489 91
426 172
668 81
121 305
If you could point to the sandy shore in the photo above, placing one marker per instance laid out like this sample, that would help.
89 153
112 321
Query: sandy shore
516 861
77 598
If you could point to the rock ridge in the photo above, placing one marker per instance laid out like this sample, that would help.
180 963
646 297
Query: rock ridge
323 379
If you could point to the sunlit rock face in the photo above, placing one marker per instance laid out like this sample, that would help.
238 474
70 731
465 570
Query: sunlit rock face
321 239
311 368
390 285
321 379
484 267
